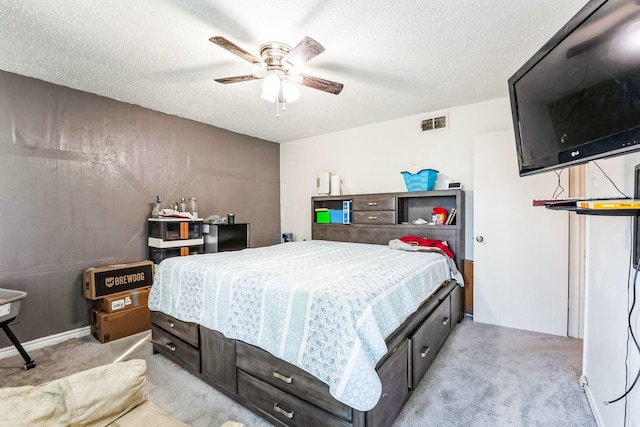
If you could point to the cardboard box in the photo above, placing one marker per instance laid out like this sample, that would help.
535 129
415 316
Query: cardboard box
103 281
106 327
123 300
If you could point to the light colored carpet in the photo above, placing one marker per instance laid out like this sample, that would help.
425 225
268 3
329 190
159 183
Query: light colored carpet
484 376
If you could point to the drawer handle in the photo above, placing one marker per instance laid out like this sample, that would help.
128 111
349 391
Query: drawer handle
283 378
171 346
282 411
170 323
372 204
445 321
373 218
424 352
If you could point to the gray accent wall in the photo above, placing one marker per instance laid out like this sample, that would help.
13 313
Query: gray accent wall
79 174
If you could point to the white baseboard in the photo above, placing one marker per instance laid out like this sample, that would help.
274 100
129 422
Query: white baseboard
46 341
594 407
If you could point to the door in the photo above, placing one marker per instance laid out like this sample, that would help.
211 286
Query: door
520 251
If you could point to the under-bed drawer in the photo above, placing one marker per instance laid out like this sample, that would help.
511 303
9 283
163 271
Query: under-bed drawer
457 305
394 376
282 406
374 217
175 349
289 378
428 339
184 330
218 358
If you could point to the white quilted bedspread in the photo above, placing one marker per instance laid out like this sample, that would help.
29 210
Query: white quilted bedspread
323 306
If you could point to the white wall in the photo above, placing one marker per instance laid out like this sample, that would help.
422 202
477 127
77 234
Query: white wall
607 260
369 159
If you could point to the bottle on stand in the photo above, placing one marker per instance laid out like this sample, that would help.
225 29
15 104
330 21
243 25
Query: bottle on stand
183 205
156 209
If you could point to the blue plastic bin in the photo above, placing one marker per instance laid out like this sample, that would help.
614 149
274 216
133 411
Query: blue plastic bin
336 216
424 180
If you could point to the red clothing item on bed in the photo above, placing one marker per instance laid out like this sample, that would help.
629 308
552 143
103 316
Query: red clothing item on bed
420 241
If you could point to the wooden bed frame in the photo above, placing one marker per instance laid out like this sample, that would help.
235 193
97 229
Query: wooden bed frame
286 395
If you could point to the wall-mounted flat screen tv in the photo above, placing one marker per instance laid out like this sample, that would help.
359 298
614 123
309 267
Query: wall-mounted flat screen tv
578 98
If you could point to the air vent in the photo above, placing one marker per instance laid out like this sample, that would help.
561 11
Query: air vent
435 123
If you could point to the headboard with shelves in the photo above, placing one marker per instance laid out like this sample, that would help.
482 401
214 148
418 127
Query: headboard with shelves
380 217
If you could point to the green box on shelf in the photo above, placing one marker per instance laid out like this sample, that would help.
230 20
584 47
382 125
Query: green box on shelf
323 217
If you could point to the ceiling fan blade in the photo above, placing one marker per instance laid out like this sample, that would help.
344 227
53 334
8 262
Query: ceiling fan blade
237 79
235 49
321 84
305 50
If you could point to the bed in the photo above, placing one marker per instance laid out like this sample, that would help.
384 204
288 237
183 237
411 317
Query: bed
320 332
324 307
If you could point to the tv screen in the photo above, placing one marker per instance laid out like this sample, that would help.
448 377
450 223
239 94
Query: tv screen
578 98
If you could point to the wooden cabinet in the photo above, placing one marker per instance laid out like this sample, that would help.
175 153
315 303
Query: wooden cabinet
427 340
374 209
374 217
169 237
378 218
289 396
284 407
176 340
457 305
175 349
220 366
394 375
374 202
187 332
290 379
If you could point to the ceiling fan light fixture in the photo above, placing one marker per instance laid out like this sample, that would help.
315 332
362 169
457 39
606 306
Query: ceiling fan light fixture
289 91
270 87
279 88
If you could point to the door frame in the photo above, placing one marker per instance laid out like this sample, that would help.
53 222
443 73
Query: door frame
577 254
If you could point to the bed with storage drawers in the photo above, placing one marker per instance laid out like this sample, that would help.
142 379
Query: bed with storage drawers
318 333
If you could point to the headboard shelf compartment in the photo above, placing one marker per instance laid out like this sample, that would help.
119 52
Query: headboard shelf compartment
380 217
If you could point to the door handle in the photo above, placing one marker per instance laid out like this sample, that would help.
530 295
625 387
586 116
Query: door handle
479 239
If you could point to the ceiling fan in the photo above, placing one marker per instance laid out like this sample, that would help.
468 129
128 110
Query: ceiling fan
280 63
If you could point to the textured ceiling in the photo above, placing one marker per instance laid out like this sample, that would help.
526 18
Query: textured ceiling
396 58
